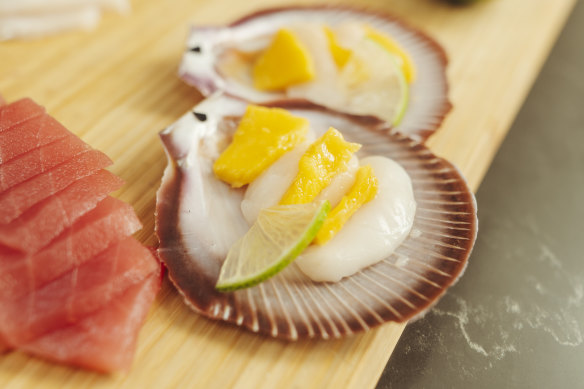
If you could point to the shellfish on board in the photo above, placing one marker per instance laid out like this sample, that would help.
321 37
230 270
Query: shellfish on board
199 217
208 63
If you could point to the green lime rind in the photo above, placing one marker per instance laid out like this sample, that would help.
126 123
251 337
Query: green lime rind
401 108
405 97
286 259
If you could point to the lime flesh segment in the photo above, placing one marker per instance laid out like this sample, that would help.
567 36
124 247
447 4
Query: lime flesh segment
385 91
400 83
278 236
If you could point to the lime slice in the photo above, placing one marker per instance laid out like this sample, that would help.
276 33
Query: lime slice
403 58
384 91
278 236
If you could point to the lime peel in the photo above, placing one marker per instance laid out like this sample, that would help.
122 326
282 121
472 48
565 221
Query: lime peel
402 106
245 252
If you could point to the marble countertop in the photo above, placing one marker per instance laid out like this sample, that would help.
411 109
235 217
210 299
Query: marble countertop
516 318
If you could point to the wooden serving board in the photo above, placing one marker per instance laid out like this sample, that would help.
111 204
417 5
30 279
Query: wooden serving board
117 88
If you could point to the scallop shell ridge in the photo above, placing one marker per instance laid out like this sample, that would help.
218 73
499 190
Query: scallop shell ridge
289 306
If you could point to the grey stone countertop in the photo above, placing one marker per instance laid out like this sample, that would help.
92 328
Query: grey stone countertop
516 317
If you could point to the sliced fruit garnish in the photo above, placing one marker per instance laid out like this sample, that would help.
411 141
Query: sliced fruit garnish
386 95
394 48
340 54
323 160
278 236
263 135
363 190
285 62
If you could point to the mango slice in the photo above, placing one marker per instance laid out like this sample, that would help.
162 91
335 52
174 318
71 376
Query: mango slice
340 54
363 190
263 135
284 63
393 47
323 160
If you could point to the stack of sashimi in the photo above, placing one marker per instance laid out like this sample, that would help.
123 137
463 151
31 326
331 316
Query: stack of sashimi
33 18
75 287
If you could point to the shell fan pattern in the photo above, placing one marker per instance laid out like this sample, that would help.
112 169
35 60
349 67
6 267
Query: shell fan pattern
198 218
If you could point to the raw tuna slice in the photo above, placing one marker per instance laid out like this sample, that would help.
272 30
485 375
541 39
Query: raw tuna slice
106 340
3 344
40 160
46 220
16 200
111 220
77 293
74 286
18 112
29 135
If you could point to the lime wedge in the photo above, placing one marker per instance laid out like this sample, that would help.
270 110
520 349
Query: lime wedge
404 59
400 82
384 92
278 236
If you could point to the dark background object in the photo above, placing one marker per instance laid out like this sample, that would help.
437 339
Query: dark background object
516 318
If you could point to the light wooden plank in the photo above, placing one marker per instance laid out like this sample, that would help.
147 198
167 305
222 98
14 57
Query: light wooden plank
117 87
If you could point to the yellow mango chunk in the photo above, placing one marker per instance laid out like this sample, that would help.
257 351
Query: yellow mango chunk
363 190
390 45
340 54
323 160
263 135
285 62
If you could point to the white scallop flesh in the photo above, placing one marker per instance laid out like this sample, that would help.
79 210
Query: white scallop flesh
267 189
372 233
377 91
326 87
349 34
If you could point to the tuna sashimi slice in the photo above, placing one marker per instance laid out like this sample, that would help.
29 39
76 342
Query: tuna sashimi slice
29 135
108 222
16 200
106 340
4 347
39 160
43 222
18 112
77 293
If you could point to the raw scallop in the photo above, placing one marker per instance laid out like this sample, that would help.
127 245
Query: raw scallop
372 233
206 46
198 218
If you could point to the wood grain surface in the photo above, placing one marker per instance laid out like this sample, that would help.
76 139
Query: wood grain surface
116 87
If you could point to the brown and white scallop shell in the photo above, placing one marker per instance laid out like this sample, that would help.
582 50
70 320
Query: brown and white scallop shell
198 217
206 46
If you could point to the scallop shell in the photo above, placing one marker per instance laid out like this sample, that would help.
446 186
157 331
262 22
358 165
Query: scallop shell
198 218
428 103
